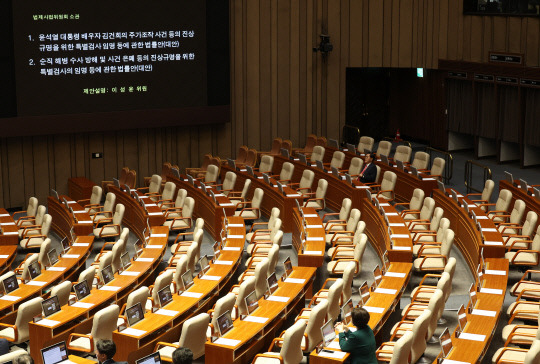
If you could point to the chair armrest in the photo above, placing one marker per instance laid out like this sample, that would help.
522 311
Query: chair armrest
89 337
15 331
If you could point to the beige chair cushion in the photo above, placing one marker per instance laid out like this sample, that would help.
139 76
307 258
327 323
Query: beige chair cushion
518 287
247 214
528 310
429 264
523 257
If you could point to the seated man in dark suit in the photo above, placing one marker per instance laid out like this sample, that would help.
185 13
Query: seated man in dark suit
369 173
105 350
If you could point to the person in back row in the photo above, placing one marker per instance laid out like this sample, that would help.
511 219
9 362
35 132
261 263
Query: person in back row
369 173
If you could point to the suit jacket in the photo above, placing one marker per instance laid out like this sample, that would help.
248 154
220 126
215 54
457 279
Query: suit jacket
361 344
369 174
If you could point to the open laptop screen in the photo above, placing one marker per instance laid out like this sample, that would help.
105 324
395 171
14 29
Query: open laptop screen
81 290
53 257
187 279
50 306
54 353
164 296
225 323
10 284
328 333
34 269
153 358
272 283
346 311
251 302
107 274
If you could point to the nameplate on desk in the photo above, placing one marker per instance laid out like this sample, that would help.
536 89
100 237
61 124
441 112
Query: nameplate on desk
144 260
481 217
493 243
334 345
236 237
428 179
227 342
235 225
150 205
260 177
71 256
211 278
385 290
448 361
71 202
7 223
395 274
10 298
231 248
471 205
473 337
384 204
154 214
10 233
362 187
191 294
110 288
158 235
84 222
315 238
223 262
314 226
333 354
312 252
56 269
491 291
164 312
259 320
133 332
82 305
408 248
484 313
36 283
154 246
396 224
4 215
79 212
311 215
374 309
399 236
48 323
80 244
129 273
3 256
294 195
495 272
243 170
391 214
226 204
219 195
493 230
295 280
278 298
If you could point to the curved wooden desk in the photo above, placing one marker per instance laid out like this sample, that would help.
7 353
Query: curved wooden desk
310 254
10 232
63 220
160 326
7 257
518 194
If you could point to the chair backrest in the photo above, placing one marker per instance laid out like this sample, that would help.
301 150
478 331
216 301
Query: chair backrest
32 206
165 170
321 141
447 242
88 275
206 161
212 173
356 166
487 192
251 159
436 306
287 171
25 314
44 249
242 154
274 215
261 273
291 351
287 145
436 219
194 334
123 175
417 199
62 290
536 240
419 330
517 212
95 197
140 295
307 179
450 267
267 163
533 355
276 144
131 178
421 160
348 276
181 268
192 256
445 285
224 304
437 167
366 142
273 255
402 349
388 183
216 161
403 153
197 237
124 235
322 187
110 200
40 214
180 198
245 189
246 287
359 233
257 198
359 250
105 260
317 318
105 323
276 235
26 273
163 280
317 154
46 226
353 219
187 209
155 184
119 214
168 191
337 159
378 174
198 226
443 226
334 295
310 143
345 209
504 200
117 250
384 148
529 224
426 212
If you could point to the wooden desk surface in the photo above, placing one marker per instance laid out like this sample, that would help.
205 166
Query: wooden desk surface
10 232
310 254
67 268
7 257
247 337
159 327
63 220
79 319
518 194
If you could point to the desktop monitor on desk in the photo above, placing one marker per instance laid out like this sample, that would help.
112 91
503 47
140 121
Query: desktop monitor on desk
224 323
50 306
10 284
81 290
134 314
55 354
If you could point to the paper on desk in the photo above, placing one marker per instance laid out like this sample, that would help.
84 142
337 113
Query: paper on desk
260 320
493 230
481 217
278 298
448 361
84 222
231 248
399 236
395 247
80 244
10 298
56 269
226 204
211 278
133 332
82 304
473 337
3 256
227 342
391 214
294 195
158 235
79 212
192 294
139 259
333 354
362 187
150 205
493 242
374 309
166 312
495 272
4 215
385 290
395 274
36 283
219 195
7 223
110 288
484 313
311 215
384 204
491 291
295 280
10 233
223 262
130 273
334 345
400 224
235 225
236 237
428 179
154 246
312 252
48 323
154 214
314 226
314 238
71 256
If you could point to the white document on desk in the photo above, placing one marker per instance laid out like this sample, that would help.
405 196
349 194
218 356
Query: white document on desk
399 236
491 291
235 225
448 361
495 272
56 269
385 290
334 345
333 354
71 256
312 252
235 237
259 320
110 288
490 230
396 224
80 244
395 274
473 337
374 309
82 305
158 235
48 323
231 248
315 238
36 283
149 260
191 294
484 313
295 280
226 342
133 332
314 226
10 298
223 262
499 243
211 278
154 246
278 298
3 256
164 312
154 214
130 273
311 215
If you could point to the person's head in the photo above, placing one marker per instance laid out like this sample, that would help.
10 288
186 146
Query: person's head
182 356
105 349
24 359
369 158
360 317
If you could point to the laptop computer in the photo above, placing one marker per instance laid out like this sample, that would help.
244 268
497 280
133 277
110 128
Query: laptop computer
328 333
302 158
231 163
384 159
53 257
280 188
414 172
203 188
116 182
480 277
284 152
213 195
153 358
320 165
252 303
332 143
346 311
10 284
55 194
55 354
335 172
386 260
364 293
349 180
81 290
224 323
400 165
249 170
350 147
134 314
165 296
34 269
191 180
138 245
508 177
441 186
266 179
50 306
107 274
187 280
446 342
272 283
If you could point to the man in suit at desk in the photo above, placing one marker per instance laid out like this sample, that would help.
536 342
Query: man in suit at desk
182 356
105 350
369 173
